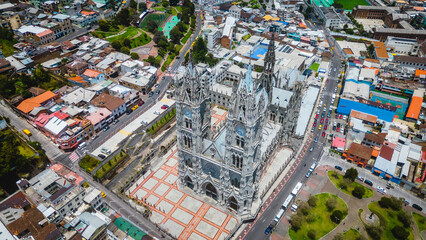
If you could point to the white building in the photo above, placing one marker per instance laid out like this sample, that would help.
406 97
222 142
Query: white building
212 37
95 200
402 45
330 17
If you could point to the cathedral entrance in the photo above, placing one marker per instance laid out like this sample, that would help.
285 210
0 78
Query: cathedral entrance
233 203
211 191
189 183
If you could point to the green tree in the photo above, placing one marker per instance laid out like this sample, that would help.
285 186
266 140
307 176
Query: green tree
296 222
174 2
345 183
336 216
159 36
6 34
125 50
400 233
331 203
116 44
134 55
375 231
142 7
312 201
338 236
351 174
405 219
304 208
133 4
103 25
312 234
123 17
126 42
358 192
175 35
165 4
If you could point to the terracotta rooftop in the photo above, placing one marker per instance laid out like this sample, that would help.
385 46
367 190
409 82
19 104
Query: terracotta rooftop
386 152
108 101
29 104
374 137
361 151
363 116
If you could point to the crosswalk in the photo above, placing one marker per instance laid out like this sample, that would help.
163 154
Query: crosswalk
73 157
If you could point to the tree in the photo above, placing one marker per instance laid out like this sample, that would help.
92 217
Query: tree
123 17
134 55
358 192
338 236
175 35
304 208
181 26
400 233
173 2
125 50
312 234
375 231
351 174
103 25
116 44
312 201
405 219
152 26
6 34
345 183
336 216
165 4
159 36
126 42
331 203
133 4
142 7
296 222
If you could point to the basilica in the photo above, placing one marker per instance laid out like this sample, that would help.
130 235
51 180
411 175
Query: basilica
226 162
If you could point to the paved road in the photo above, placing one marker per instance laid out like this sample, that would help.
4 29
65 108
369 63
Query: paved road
398 192
77 33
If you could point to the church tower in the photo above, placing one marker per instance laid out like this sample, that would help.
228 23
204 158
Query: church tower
193 122
267 78
243 142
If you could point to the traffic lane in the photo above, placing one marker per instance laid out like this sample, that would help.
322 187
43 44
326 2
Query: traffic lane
296 174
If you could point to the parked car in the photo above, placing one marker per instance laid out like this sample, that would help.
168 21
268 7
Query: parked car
135 107
151 93
316 139
417 207
325 127
141 102
101 156
319 127
268 230
157 113
368 182
308 174
322 120
157 85
323 134
311 149
360 178
129 111
106 128
338 168
157 92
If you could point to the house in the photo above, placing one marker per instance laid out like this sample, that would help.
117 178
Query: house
35 34
5 66
90 226
116 105
374 139
93 76
43 99
358 154
95 200
100 118
380 51
77 67
338 144
415 107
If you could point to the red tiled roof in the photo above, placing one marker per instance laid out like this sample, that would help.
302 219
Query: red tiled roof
386 152
361 151
91 73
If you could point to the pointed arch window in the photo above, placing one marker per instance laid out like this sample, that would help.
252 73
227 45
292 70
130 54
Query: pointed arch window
237 161
187 142
188 123
239 141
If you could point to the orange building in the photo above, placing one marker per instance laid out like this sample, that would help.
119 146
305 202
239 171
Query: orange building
358 154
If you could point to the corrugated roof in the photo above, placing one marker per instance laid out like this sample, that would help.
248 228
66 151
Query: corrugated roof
420 72
29 104
91 73
363 116
415 107
380 49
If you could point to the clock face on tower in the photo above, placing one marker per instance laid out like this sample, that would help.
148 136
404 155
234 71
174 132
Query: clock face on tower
187 113
240 130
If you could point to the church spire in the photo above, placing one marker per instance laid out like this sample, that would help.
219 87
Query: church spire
270 55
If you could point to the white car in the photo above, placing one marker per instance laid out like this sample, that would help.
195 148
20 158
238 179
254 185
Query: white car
157 113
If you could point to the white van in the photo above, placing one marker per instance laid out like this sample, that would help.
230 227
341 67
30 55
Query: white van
82 145
279 215
334 96
106 151
313 166
294 207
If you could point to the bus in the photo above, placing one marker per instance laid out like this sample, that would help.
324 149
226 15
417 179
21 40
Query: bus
279 215
27 132
297 188
287 202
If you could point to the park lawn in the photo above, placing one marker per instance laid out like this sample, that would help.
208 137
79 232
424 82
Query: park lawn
160 9
314 67
110 165
368 192
130 32
420 221
322 223
186 37
25 151
110 32
351 234
89 163
6 47
388 220
179 8
174 12
158 18
140 40
350 4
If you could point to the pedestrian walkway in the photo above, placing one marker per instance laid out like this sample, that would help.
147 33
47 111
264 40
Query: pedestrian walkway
180 214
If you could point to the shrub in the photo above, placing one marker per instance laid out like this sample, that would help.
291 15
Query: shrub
336 216
358 192
312 234
374 231
384 202
134 55
400 233
345 183
338 236
331 204
312 201
304 208
395 203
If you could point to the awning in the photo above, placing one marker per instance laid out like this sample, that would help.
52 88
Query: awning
377 171
388 176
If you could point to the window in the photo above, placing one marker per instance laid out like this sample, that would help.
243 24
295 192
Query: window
240 141
188 123
187 141
237 161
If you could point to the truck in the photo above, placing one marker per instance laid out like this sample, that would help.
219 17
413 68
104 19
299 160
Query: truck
27 132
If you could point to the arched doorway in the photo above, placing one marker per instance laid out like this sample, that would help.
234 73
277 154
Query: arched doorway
189 183
211 191
233 203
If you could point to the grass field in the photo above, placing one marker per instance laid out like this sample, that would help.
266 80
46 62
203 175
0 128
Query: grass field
111 32
154 17
350 4
351 234
186 37
140 40
89 163
388 220
130 32
24 150
314 67
336 181
420 221
318 218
